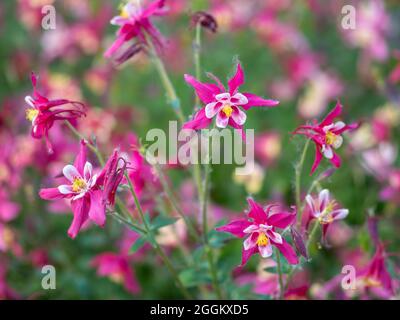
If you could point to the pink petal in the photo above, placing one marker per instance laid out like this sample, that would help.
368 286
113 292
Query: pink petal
256 212
87 171
256 101
237 80
340 214
212 109
239 99
246 254
80 160
97 211
323 199
336 112
274 236
51 194
281 220
310 203
287 251
206 92
317 160
65 189
235 227
336 160
199 121
251 241
80 209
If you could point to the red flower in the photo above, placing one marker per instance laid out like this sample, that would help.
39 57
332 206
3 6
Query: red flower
226 106
43 112
260 232
326 136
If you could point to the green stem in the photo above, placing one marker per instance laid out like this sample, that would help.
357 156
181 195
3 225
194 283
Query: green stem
174 202
196 55
279 266
157 247
173 99
312 234
299 169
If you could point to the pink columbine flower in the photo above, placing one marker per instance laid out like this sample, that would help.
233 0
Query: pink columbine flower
134 22
325 210
327 136
259 230
225 105
84 191
43 112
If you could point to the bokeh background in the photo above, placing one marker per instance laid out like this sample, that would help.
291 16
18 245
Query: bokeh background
293 51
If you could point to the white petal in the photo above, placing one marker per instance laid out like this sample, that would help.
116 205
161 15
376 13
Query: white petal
70 172
222 120
80 195
92 181
340 214
239 116
274 236
29 100
265 251
65 189
328 128
211 110
323 199
250 229
328 153
249 243
337 142
241 99
338 125
87 171
223 97
310 203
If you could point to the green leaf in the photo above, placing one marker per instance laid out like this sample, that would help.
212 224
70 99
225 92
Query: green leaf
162 221
193 277
140 242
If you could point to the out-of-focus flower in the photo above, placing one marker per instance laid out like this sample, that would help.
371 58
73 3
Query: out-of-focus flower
100 123
134 22
378 161
6 292
118 269
325 210
260 232
375 278
372 28
225 105
43 112
391 192
172 235
252 181
267 147
326 136
84 191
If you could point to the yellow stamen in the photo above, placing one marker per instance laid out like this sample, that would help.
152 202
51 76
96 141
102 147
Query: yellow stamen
371 282
227 109
31 114
78 185
262 240
330 138
117 277
326 216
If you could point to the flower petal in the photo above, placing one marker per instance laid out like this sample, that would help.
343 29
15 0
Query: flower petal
340 214
87 171
287 251
256 101
70 172
199 121
65 189
281 220
222 120
265 251
212 109
51 194
236 227
238 116
323 199
239 99
246 254
336 112
256 212
251 241
97 211
80 210
317 160
80 159
328 152
237 80
274 236
206 92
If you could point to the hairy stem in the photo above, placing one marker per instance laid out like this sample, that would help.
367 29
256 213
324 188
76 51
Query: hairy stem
279 267
299 169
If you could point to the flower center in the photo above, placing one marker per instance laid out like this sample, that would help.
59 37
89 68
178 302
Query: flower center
262 240
372 282
326 216
332 139
227 109
78 185
31 113
124 13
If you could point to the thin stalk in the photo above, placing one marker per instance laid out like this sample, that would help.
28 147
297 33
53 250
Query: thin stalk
312 234
166 81
157 247
299 169
279 266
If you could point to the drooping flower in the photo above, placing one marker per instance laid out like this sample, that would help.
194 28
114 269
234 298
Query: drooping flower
260 233
225 105
326 136
324 209
43 112
134 22
84 191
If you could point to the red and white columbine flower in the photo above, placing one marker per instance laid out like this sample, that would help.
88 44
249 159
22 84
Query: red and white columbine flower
325 210
327 136
260 233
134 22
43 112
225 105
83 188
